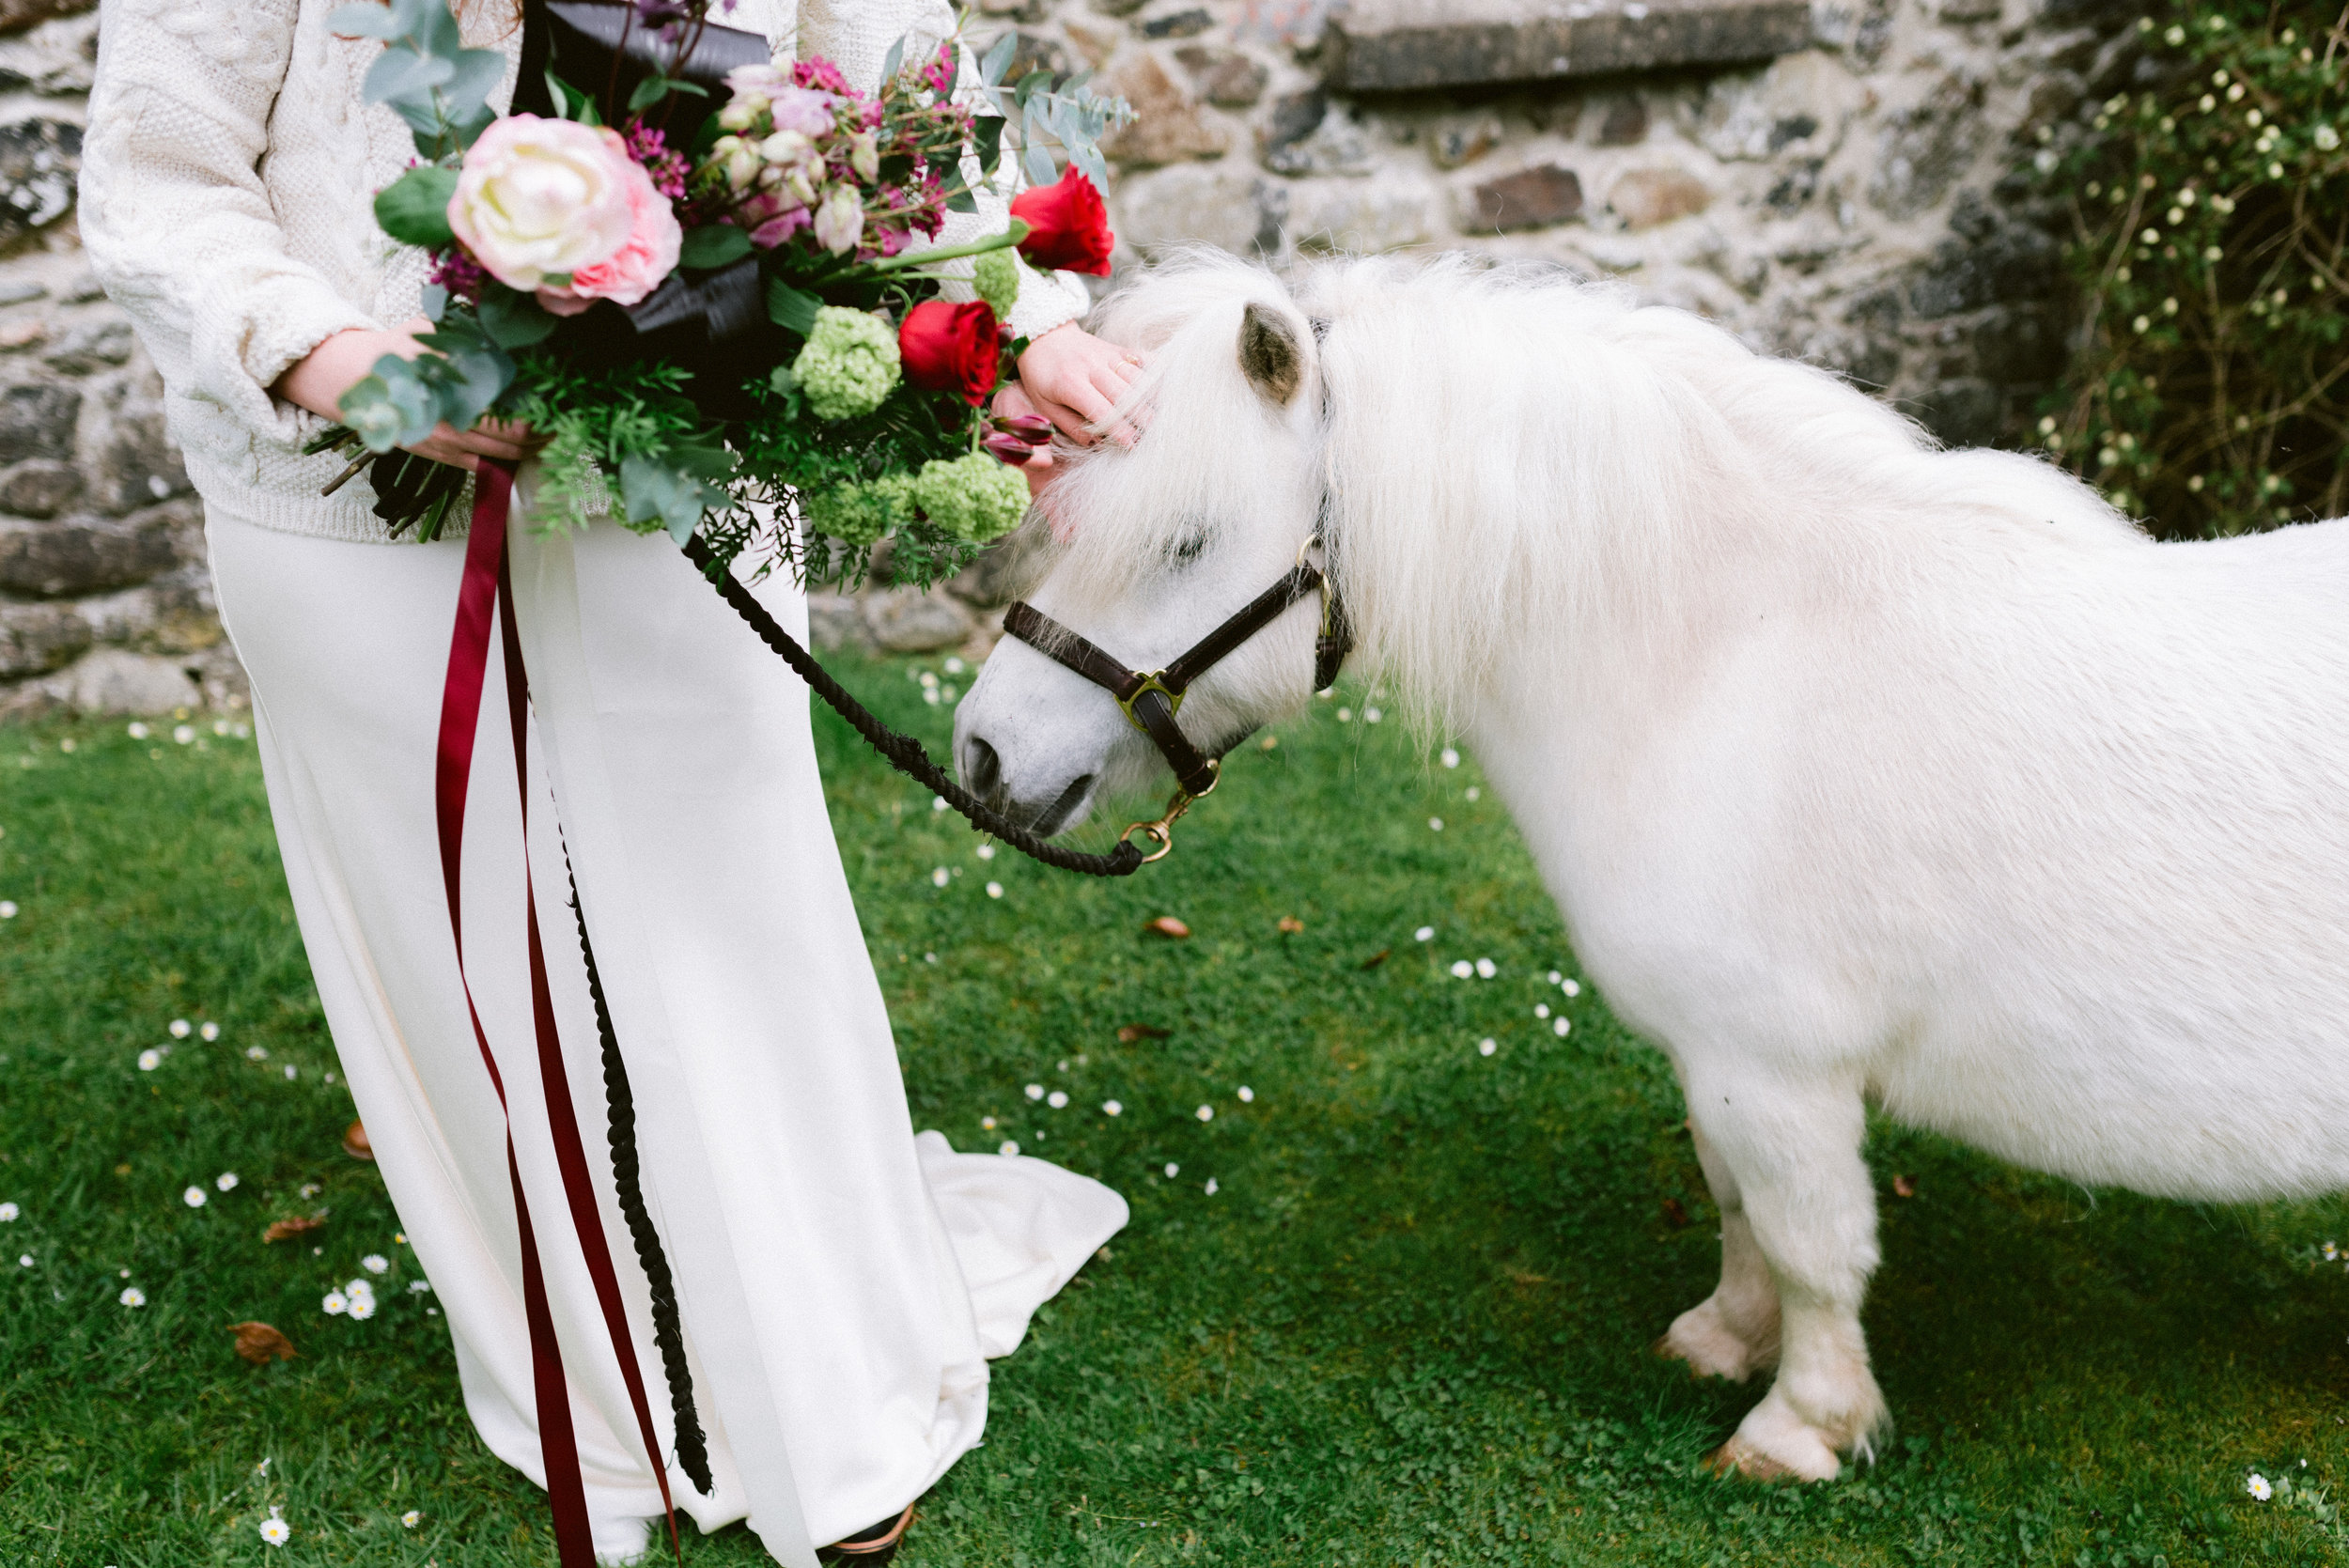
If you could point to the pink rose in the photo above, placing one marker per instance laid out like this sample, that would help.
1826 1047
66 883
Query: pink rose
649 255
539 196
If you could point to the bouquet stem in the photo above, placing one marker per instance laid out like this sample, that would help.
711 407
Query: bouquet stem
1012 236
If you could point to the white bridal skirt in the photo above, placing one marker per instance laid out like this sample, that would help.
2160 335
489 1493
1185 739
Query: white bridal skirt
841 1281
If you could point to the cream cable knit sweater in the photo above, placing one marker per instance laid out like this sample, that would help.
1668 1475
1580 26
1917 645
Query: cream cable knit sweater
229 178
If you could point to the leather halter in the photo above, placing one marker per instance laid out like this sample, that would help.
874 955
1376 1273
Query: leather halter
1151 701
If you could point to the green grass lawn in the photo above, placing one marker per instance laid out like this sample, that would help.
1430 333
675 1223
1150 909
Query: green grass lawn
1408 1326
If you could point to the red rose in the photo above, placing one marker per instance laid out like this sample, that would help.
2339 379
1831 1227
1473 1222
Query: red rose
951 347
1068 228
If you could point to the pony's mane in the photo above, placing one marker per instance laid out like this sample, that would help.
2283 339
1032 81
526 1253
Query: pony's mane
1509 447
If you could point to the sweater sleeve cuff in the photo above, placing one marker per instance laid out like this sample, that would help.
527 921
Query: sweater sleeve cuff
1047 300
273 333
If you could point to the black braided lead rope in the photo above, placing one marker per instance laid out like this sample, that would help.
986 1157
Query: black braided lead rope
901 751
692 1452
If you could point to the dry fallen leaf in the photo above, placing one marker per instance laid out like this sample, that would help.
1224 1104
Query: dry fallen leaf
259 1344
1291 924
1904 1186
1133 1032
1376 958
1167 925
1674 1214
296 1225
355 1142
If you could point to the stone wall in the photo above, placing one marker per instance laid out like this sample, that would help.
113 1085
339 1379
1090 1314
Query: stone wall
1825 177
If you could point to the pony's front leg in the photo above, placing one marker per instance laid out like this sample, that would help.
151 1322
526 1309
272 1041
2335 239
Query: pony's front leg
1732 1333
1793 1152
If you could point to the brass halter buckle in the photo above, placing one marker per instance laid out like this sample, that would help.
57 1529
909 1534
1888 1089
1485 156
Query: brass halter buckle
1151 682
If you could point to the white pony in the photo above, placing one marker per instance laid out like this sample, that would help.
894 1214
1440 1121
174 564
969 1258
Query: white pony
1861 771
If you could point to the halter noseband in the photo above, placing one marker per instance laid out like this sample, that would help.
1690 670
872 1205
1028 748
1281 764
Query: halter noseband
1151 701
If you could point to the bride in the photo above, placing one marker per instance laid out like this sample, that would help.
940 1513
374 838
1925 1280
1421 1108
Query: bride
841 1281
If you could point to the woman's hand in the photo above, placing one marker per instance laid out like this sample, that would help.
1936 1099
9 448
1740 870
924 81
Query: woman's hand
344 359
1072 378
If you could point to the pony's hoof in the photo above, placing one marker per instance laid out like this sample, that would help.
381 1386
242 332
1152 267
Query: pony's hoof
1772 1443
1711 1348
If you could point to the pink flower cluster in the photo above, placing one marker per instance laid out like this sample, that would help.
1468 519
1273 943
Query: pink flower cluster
803 154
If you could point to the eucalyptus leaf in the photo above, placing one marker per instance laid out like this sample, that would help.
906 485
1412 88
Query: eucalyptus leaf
433 301
891 61
437 32
478 74
1039 165
1034 81
998 58
713 245
511 319
987 137
962 201
475 379
367 22
651 91
402 78
413 209
653 491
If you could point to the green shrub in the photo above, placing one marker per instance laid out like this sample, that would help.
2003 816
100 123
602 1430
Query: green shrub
2209 392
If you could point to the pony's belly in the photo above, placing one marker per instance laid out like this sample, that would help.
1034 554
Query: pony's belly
2211 1119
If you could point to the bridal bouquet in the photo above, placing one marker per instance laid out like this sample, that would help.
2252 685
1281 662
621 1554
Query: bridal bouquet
704 280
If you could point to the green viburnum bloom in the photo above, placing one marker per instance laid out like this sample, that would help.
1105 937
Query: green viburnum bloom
974 498
859 514
850 363
996 276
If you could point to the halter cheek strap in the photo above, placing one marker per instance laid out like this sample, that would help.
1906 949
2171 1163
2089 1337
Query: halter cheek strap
1150 702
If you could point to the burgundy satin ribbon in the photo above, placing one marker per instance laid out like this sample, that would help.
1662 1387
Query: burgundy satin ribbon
487 583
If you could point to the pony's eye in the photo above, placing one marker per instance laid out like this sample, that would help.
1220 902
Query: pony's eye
1183 552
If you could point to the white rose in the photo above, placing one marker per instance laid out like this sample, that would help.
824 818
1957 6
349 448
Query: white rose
542 197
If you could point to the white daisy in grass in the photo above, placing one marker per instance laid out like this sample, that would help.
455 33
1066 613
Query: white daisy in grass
986 1124
953 666
1010 1147
335 1304
132 1296
256 1053
1211 1186
1346 716
1424 934
1572 987
9 1211
225 1180
310 1189
1448 757
411 1518
1462 968
136 730
2259 1488
940 878
1562 1028
2330 1251
24 1260
1555 977
362 1311
149 1059
1486 1045
985 851
995 889
1206 1113
360 1289
1247 1095
1474 794
289 1072
938 802
7 909
375 1263
1172 1170
399 1238
195 1197
1487 968
1434 823
275 1531
1057 1098
209 1032
1110 1108
1541 1009
419 1287
1035 1091
183 734
181 1028
1371 716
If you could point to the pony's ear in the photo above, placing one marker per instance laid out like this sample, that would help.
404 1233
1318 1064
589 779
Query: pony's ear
1268 354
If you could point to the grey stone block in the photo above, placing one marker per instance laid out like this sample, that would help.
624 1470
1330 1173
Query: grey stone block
905 620
1226 79
37 638
39 487
37 420
1408 45
23 13
75 558
38 160
1179 25
1530 198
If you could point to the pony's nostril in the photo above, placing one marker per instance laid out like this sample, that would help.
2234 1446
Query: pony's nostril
982 769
